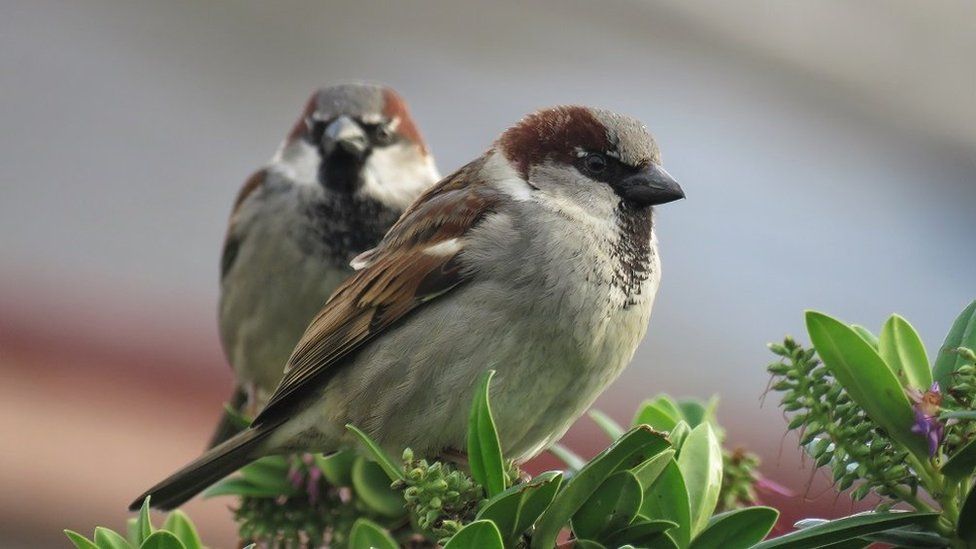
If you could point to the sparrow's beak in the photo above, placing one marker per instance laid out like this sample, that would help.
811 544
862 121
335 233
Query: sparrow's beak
346 135
650 186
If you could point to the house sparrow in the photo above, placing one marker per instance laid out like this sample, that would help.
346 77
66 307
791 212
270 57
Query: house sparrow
537 260
347 170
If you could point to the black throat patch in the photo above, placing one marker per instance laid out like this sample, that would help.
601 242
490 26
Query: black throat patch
347 225
632 250
342 171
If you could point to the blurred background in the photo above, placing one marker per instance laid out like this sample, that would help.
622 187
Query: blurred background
827 150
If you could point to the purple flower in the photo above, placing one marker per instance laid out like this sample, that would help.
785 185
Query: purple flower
926 406
305 476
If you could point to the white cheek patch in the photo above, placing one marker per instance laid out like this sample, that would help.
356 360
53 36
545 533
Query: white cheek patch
397 174
516 188
444 249
298 161
506 179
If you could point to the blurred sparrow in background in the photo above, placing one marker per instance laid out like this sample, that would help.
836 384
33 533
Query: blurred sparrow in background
347 170
538 260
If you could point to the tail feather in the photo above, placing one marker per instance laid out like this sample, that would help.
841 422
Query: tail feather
212 466
227 426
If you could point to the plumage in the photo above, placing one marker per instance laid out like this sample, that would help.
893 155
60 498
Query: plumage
332 190
525 261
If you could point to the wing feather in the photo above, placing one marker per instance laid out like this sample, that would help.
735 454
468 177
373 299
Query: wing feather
395 278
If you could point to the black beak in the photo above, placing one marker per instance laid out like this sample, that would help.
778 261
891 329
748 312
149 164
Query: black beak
347 136
344 149
649 187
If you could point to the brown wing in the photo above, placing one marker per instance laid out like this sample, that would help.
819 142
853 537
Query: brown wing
231 241
400 275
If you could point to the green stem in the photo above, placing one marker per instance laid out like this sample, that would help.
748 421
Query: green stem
931 480
912 499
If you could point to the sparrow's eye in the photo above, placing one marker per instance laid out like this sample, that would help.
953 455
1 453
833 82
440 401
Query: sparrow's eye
316 129
383 135
595 163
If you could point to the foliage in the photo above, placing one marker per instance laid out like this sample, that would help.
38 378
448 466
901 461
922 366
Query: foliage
177 532
649 488
871 411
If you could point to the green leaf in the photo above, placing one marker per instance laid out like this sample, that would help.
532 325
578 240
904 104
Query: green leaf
700 461
694 412
667 404
867 379
144 527
739 528
515 510
962 463
650 414
663 541
237 419
903 351
480 534
80 541
572 460
966 524
901 537
366 534
394 471
968 414
648 471
678 434
853 543
847 528
372 485
270 473
667 499
962 334
588 544
132 530
182 527
109 539
636 446
337 467
239 486
607 424
866 335
611 507
640 533
162 540
484 449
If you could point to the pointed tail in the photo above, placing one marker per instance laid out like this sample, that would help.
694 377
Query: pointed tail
212 466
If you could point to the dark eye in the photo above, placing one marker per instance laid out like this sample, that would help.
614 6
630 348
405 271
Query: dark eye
316 128
383 135
595 163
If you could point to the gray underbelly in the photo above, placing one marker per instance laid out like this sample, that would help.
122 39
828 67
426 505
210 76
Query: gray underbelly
265 311
413 388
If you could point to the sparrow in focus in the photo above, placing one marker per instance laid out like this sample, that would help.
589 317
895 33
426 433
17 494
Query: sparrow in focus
350 166
537 260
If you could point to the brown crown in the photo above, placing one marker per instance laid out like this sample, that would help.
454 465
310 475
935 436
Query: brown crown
395 106
554 134
392 104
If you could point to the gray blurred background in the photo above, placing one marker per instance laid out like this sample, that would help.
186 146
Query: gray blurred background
827 150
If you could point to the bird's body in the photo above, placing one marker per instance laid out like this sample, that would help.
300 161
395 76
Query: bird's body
331 191
543 349
537 260
299 241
